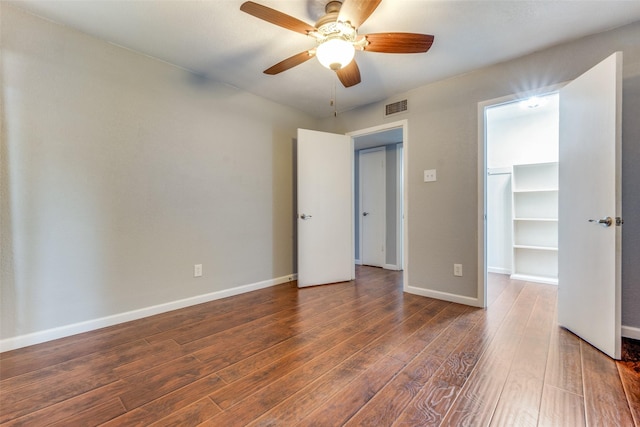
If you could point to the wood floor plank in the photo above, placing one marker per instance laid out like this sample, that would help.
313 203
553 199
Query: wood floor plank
520 399
631 382
345 403
226 307
156 382
436 397
66 408
328 348
44 355
480 395
268 397
190 415
560 408
629 371
342 405
300 404
338 318
30 399
564 367
387 405
95 415
168 404
605 401
242 315
228 347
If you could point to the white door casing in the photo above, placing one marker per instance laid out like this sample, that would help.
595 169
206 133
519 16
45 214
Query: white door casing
372 186
589 266
325 208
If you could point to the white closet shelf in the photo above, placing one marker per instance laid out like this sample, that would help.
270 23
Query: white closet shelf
538 279
536 190
538 248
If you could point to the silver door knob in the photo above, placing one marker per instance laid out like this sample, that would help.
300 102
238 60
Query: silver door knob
605 222
365 213
305 216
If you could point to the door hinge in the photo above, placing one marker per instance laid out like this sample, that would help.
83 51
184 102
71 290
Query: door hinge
619 221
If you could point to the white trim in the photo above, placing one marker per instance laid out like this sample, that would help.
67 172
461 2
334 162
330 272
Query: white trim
399 204
445 296
358 262
498 270
20 341
391 267
630 332
482 205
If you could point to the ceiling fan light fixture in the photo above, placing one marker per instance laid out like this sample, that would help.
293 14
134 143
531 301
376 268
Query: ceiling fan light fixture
335 53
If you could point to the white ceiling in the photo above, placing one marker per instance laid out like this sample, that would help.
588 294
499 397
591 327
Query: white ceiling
213 38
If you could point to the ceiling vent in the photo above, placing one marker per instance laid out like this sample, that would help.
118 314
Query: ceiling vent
395 108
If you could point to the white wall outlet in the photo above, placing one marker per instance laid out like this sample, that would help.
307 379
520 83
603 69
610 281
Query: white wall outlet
457 269
429 175
197 270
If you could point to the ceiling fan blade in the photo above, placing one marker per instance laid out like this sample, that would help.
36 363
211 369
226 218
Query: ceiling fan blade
277 18
357 11
349 75
291 62
398 42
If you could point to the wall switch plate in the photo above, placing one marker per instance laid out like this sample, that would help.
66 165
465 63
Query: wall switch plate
457 269
429 175
197 270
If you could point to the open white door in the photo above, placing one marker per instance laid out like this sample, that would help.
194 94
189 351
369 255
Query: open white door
589 203
325 208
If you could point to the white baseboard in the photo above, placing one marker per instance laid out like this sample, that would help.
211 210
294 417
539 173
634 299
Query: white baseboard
630 332
474 302
391 267
358 262
103 322
498 270
537 279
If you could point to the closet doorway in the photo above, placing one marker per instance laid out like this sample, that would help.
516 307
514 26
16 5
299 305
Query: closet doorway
521 190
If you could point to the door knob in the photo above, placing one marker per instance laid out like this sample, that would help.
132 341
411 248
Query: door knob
365 213
305 216
605 222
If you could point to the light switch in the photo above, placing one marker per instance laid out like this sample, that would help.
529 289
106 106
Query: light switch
429 175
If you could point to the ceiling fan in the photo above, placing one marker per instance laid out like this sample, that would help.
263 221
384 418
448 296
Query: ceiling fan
337 38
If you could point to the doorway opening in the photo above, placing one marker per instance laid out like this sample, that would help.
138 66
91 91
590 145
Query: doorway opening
379 176
520 175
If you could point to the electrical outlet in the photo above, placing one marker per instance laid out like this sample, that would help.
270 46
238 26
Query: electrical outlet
457 269
429 175
197 270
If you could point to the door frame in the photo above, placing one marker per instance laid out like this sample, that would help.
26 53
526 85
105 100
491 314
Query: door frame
360 210
482 176
402 238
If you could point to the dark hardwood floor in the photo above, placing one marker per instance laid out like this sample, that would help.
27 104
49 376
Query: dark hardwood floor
357 354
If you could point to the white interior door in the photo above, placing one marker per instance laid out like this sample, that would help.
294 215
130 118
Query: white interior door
372 206
589 180
325 208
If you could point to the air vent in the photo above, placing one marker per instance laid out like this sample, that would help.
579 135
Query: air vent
395 108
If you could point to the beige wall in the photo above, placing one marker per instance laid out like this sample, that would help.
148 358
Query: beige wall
120 172
443 135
